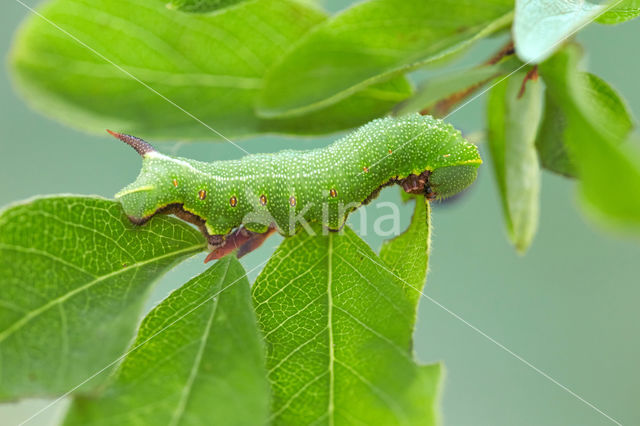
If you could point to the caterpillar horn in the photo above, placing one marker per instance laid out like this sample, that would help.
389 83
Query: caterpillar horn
142 147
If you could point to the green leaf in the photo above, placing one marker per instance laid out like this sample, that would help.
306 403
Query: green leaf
338 329
369 43
407 255
620 12
540 26
613 117
198 359
74 274
607 163
602 101
552 150
201 6
513 121
439 88
199 69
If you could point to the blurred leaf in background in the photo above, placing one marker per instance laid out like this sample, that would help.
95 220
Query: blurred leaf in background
198 359
613 115
164 74
371 42
621 11
201 6
514 110
595 133
436 95
67 264
540 26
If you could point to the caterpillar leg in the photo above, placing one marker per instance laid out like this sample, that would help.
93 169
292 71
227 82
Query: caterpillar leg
241 239
418 184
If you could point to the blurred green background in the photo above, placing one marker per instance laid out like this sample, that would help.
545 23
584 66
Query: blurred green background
569 306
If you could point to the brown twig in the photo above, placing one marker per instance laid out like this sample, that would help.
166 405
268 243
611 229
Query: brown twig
442 107
531 75
507 50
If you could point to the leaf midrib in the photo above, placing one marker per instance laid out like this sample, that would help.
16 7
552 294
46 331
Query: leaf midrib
34 313
150 76
186 392
331 406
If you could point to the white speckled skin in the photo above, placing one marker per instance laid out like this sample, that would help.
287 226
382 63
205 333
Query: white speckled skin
260 189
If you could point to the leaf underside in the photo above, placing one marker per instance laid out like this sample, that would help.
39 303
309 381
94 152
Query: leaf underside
158 73
368 43
433 91
513 119
541 26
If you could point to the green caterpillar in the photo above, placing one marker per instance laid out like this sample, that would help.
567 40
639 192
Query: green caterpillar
239 203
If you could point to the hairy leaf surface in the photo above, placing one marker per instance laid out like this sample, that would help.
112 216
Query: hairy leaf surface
198 359
513 121
370 42
74 273
338 326
141 68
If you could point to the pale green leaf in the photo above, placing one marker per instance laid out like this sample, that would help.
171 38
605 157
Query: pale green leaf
370 42
74 274
338 327
607 164
621 11
201 6
198 359
407 255
513 121
603 102
436 89
196 72
541 26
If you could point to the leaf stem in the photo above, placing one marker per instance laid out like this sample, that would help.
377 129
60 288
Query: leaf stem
442 107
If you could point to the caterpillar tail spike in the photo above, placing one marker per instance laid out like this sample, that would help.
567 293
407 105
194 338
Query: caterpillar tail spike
141 146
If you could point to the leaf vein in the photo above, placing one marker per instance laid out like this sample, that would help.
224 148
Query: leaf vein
384 296
34 313
295 350
393 344
385 397
301 310
32 250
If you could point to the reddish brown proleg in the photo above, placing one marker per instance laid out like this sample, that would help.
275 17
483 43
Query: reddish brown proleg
243 240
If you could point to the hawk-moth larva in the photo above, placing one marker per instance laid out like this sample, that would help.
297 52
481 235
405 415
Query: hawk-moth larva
239 202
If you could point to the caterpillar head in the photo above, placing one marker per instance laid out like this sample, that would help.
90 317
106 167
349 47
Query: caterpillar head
446 182
142 198
454 171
